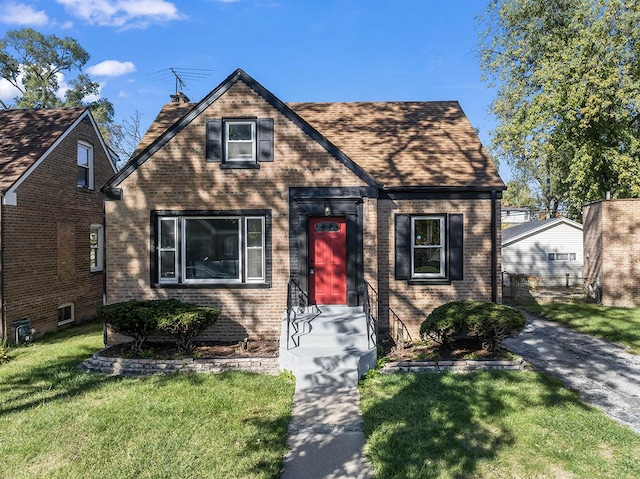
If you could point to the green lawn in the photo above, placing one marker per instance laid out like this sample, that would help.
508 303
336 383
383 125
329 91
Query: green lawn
620 325
490 425
57 422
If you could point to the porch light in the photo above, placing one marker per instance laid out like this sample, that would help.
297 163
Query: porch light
327 210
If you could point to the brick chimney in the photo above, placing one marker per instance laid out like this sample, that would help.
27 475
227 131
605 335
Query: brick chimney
180 97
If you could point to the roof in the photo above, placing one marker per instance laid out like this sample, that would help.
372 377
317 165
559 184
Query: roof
522 230
390 145
26 135
403 144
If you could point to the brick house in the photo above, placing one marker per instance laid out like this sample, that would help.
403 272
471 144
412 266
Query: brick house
612 251
52 165
228 199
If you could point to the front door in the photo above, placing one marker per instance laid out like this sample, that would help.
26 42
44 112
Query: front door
328 260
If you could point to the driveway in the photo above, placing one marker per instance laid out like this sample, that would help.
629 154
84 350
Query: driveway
603 373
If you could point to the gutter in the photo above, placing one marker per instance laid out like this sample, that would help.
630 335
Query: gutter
494 247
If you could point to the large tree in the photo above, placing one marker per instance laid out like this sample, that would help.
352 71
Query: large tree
567 74
35 64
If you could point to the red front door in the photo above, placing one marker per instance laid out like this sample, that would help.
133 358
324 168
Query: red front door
328 260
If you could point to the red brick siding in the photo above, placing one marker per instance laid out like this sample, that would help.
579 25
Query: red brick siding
54 216
177 177
611 230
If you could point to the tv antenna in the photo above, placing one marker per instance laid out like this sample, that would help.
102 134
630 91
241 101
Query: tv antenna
180 76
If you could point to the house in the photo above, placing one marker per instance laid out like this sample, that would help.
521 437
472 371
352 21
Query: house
52 165
234 199
549 250
612 251
514 215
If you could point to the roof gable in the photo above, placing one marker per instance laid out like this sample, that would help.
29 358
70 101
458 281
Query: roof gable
524 230
165 118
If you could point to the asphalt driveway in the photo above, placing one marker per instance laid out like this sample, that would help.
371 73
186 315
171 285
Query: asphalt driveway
604 374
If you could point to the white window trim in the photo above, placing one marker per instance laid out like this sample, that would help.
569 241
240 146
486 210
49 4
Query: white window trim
89 167
99 249
73 314
253 141
261 248
442 245
181 251
554 257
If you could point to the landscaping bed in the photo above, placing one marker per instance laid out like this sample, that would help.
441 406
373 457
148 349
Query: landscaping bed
204 350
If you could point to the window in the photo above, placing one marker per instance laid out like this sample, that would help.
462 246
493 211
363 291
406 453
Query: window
239 143
561 256
211 249
85 166
427 247
96 243
65 314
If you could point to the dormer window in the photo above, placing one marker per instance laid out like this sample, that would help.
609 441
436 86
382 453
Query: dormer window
241 141
85 166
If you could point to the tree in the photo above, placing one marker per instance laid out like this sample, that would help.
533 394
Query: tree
126 136
35 64
567 74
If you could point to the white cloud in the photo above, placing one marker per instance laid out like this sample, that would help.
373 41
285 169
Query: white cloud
111 68
20 14
123 13
7 91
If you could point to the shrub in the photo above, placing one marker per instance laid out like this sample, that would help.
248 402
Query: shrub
185 322
4 351
490 323
136 319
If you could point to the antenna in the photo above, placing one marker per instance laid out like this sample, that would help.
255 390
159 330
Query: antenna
180 76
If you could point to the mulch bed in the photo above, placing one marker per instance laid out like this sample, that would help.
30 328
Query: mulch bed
467 348
217 349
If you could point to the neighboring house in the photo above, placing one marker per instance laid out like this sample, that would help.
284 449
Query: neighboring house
52 165
228 199
612 251
514 215
550 250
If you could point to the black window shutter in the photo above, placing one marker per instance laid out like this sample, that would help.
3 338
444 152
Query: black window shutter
456 241
265 139
214 139
403 246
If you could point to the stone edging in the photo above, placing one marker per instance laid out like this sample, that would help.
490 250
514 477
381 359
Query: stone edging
460 366
99 364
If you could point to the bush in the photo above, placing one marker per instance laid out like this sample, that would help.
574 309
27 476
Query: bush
490 323
186 322
4 351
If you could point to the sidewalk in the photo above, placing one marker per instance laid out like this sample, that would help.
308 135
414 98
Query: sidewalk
604 374
326 437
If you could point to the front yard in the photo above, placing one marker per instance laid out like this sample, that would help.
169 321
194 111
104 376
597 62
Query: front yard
56 422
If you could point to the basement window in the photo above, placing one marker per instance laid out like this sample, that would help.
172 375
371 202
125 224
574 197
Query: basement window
65 314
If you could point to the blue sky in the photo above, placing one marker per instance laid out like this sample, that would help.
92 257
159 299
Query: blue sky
300 50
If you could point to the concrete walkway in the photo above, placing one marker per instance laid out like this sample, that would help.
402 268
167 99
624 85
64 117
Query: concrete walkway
326 437
604 374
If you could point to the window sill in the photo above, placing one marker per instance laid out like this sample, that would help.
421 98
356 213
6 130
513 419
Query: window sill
212 285
430 282
240 165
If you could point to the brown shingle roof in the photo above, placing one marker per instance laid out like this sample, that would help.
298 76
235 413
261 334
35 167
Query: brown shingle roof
429 144
25 135
170 113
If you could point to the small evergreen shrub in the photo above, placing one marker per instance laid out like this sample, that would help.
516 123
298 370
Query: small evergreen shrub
185 322
490 323
4 351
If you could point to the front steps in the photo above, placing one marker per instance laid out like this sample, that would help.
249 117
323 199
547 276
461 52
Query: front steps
330 348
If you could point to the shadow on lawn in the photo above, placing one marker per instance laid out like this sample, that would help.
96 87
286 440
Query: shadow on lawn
419 425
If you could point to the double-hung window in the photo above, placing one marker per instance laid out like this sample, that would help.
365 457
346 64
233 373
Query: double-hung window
96 244
84 165
211 249
241 141
427 247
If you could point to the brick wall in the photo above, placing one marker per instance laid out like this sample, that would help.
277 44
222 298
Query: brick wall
412 303
612 249
46 238
177 177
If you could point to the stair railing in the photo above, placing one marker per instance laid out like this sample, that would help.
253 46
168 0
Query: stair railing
372 322
297 301
399 329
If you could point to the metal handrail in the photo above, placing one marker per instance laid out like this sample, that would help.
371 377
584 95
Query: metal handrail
403 326
293 290
372 322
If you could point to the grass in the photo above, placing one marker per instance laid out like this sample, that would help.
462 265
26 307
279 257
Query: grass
490 424
620 325
57 422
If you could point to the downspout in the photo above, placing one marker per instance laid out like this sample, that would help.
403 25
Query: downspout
4 331
104 267
494 248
